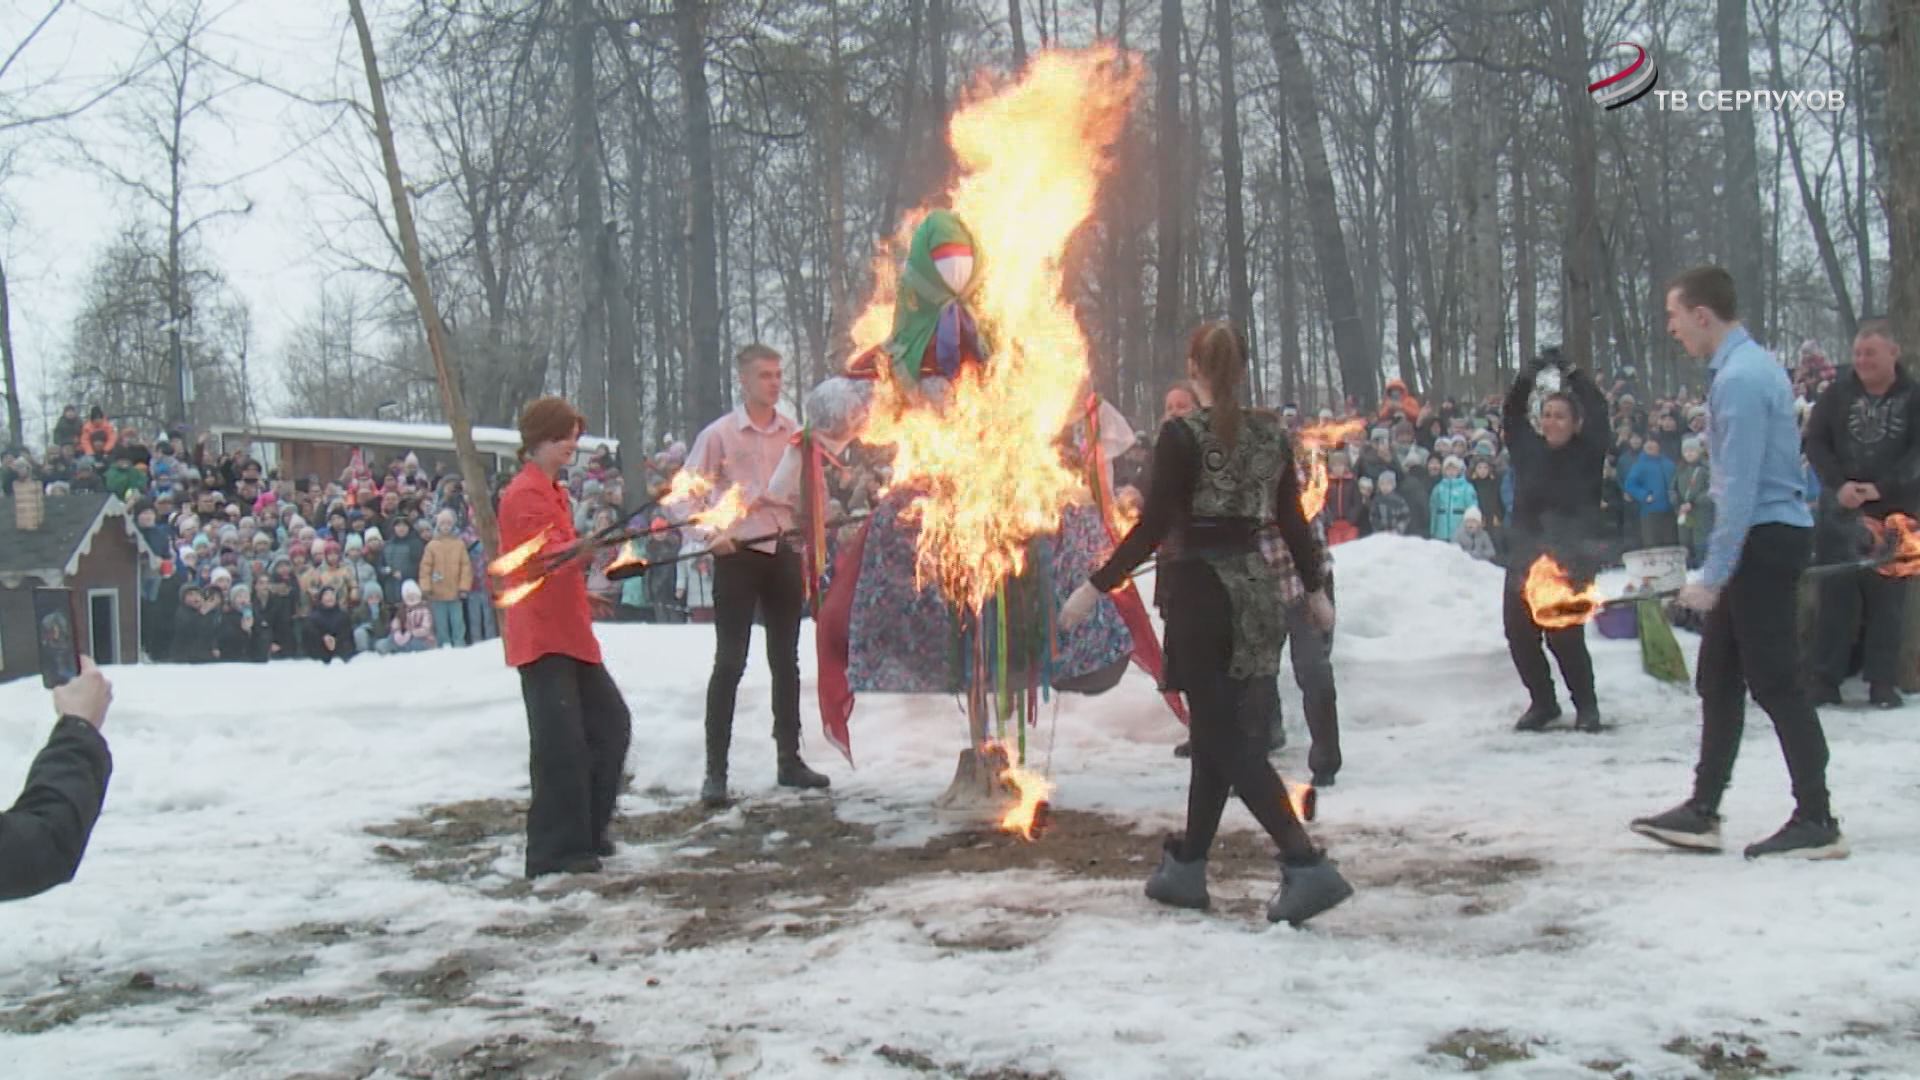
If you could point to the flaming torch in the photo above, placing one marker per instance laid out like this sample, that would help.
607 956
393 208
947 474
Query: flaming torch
1897 539
1317 440
1554 602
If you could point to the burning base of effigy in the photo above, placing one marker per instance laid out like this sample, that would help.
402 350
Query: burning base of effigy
987 787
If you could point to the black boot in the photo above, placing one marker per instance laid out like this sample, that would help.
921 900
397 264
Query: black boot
794 773
1586 718
1184 750
1885 696
1537 717
1827 694
713 791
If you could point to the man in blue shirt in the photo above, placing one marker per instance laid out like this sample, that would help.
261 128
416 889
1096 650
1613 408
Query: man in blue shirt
1749 586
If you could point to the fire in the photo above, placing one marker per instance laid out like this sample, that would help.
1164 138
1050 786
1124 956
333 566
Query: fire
520 556
1031 157
1304 800
629 556
519 592
722 515
1028 817
1898 541
686 487
1550 595
1316 440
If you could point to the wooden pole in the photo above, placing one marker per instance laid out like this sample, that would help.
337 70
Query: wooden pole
452 401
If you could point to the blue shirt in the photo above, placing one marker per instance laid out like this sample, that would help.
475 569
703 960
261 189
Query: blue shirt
1755 449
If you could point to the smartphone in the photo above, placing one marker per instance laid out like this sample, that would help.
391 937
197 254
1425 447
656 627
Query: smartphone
59 645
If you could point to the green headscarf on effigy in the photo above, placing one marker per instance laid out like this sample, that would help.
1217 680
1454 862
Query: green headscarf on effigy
923 295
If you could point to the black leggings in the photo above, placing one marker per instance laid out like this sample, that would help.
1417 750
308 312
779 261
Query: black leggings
1229 719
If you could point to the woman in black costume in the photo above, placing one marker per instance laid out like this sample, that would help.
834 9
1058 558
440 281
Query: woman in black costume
1221 480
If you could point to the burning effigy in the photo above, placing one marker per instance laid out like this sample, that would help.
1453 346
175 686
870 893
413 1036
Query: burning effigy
969 363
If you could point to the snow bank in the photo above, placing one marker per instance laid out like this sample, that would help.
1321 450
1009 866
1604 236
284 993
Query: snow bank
1500 891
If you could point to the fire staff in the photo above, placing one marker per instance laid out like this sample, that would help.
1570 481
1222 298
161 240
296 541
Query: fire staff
577 723
1557 472
1222 477
743 450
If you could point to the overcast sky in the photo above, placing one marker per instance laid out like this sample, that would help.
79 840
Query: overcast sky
56 215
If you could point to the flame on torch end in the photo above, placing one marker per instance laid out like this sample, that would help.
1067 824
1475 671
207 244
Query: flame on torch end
519 592
723 514
1304 800
1899 538
1554 602
1317 440
629 556
520 556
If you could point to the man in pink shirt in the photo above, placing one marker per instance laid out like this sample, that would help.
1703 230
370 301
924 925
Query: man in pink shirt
742 449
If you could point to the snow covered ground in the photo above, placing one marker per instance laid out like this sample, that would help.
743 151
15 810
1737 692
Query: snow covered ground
236 915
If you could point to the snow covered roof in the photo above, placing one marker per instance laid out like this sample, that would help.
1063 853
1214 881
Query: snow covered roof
52 553
493 440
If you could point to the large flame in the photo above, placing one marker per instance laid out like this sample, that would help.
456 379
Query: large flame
722 515
1315 441
1555 603
984 466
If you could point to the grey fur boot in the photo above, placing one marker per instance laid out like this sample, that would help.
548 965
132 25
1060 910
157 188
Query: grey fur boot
1307 890
1179 884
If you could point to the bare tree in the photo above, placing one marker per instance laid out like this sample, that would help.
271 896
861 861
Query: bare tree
472 470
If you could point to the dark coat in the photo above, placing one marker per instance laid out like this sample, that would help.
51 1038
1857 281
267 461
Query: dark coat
329 621
44 835
195 636
1853 436
1557 492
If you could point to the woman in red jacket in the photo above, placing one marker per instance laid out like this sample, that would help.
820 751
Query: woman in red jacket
577 722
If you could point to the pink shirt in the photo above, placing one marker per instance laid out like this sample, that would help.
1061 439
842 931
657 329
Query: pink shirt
733 451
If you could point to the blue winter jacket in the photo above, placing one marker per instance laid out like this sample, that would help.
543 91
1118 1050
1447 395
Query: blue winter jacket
1650 484
1448 505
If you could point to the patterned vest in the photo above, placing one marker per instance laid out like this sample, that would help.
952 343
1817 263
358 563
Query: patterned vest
1238 483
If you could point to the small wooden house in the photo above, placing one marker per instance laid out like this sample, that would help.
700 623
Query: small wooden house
86 543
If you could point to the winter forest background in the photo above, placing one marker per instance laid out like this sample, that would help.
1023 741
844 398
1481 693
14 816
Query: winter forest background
614 195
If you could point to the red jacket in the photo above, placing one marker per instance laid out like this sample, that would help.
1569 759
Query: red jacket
555 617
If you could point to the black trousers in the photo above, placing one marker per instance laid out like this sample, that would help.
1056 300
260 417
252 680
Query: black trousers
578 729
1228 721
743 582
1313 672
1659 528
1751 643
1524 638
1864 607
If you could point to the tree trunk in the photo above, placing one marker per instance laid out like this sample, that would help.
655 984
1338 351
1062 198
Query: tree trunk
1580 256
1358 369
16 428
903 154
1526 296
590 221
706 383
472 470
1169 154
936 153
838 305
1810 200
1019 33
1398 179
1903 193
1291 382
1239 286
1742 202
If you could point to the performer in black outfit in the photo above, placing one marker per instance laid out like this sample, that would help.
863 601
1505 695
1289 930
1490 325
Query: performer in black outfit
1556 511
1221 479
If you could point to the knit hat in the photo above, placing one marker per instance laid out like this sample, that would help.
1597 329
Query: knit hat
222 577
374 537
410 591
1366 485
1453 462
1473 514
1388 481
353 543
318 549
